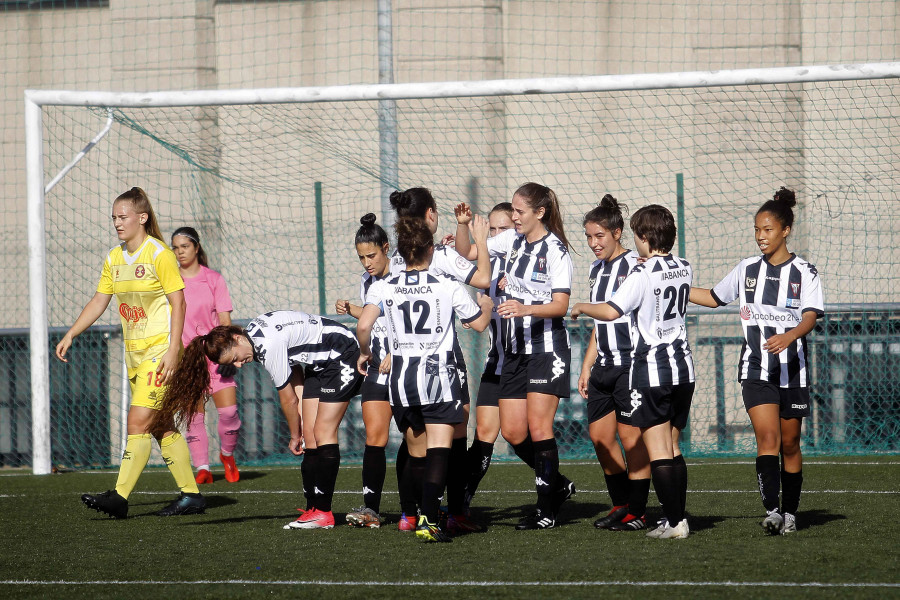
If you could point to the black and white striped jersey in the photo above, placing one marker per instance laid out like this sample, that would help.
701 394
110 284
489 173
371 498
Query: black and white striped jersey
284 339
656 295
534 272
379 329
613 337
419 307
494 363
446 261
773 300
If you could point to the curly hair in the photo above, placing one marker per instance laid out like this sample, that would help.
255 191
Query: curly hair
185 391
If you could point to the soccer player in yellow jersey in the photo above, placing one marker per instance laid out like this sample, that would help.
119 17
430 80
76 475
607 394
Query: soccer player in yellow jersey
143 275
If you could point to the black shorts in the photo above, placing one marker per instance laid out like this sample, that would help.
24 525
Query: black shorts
793 402
416 417
336 381
656 405
608 391
488 391
544 373
375 386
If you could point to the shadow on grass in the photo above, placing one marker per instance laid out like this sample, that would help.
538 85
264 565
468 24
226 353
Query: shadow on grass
245 475
816 518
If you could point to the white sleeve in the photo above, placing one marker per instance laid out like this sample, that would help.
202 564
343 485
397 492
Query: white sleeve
559 268
811 292
362 289
463 304
499 245
448 261
729 288
275 362
630 294
376 295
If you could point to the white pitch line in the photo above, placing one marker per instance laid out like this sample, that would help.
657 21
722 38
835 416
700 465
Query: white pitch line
393 493
779 584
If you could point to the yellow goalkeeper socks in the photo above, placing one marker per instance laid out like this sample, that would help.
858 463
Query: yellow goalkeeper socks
134 459
175 452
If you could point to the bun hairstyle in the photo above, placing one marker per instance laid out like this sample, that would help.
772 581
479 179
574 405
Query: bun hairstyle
191 234
141 204
413 203
608 214
781 206
414 240
539 196
370 232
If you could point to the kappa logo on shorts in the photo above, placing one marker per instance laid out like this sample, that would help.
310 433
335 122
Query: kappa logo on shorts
559 367
348 374
799 406
635 402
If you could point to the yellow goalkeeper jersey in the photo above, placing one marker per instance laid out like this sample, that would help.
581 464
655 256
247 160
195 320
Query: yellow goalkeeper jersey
140 282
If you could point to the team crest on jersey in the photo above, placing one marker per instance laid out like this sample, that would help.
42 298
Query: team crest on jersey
620 280
139 271
592 281
462 263
795 287
750 284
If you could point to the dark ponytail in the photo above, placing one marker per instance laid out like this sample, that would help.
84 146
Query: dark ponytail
185 391
539 196
608 214
413 203
413 239
781 206
370 232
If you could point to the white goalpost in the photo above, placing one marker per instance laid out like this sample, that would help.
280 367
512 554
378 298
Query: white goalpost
584 134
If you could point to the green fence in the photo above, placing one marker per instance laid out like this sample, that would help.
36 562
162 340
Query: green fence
855 360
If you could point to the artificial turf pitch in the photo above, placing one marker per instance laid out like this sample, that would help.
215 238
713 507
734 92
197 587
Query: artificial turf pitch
848 545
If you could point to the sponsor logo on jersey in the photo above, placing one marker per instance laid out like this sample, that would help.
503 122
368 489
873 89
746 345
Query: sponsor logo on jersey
657 292
538 381
542 277
328 390
139 271
674 274
799 406
770 278
750 284
422 289
793 303
747 314
132 314
389 302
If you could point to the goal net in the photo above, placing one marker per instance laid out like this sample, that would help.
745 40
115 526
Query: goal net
275 181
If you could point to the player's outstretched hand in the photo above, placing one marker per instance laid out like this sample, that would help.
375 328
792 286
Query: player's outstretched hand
463 213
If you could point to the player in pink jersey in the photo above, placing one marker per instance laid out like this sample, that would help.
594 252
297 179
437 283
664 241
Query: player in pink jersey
208 306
